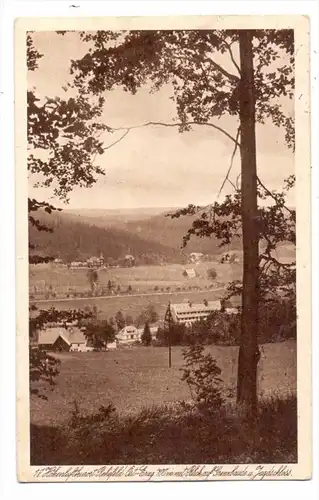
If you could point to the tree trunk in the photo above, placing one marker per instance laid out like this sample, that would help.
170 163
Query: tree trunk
248 351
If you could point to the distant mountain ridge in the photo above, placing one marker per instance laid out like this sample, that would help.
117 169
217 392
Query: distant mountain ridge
149 234
153 225
112 217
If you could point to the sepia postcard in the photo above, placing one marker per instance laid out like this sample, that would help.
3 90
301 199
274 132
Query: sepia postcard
163 210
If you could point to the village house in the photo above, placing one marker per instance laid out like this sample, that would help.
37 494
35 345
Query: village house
129 261
128 335
96 261
62 339
196 257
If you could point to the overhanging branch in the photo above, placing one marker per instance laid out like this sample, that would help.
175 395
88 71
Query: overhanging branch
177 124
118 140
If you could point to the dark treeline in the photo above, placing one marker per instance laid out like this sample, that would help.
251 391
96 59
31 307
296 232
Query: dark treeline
72 240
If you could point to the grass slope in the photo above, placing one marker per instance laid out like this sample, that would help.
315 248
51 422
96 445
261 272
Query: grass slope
139 377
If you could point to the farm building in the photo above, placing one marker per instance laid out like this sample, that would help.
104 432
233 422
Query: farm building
60 338
188 313
189 273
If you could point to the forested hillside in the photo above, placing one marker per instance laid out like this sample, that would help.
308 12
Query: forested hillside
75 240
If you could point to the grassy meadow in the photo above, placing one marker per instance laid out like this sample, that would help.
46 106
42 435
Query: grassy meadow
132 305
142 279
139 377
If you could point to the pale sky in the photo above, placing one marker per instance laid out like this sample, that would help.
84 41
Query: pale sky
154 166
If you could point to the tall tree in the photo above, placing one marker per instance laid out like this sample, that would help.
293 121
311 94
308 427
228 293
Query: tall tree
120 320
204 90
93 278
146 337
248 359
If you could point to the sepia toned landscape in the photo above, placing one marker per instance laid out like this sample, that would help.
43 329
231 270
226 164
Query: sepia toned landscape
162 247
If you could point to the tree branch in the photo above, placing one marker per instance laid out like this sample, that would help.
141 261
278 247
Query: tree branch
273 196
231 164
284 265
214 64
222 70
179 124
228 45
118 140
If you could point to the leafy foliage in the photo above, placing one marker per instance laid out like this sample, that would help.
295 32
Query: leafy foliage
68 130
188 61
148 315
202 375
99 332
120 320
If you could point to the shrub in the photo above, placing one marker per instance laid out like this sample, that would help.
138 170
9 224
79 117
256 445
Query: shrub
172 434
202 375
211 273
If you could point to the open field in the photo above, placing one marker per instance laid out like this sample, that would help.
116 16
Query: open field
139 377
131 304
142 279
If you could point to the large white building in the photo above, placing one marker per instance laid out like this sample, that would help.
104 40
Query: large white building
189 312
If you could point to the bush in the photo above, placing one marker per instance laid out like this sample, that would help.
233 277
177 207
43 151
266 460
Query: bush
211 273
202 376
173 434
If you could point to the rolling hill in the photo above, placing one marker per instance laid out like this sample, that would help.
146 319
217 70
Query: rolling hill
74 238
149 234
152 225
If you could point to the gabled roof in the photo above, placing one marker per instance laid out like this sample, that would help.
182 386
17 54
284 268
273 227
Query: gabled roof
76 336
128 329
71 335
48 336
